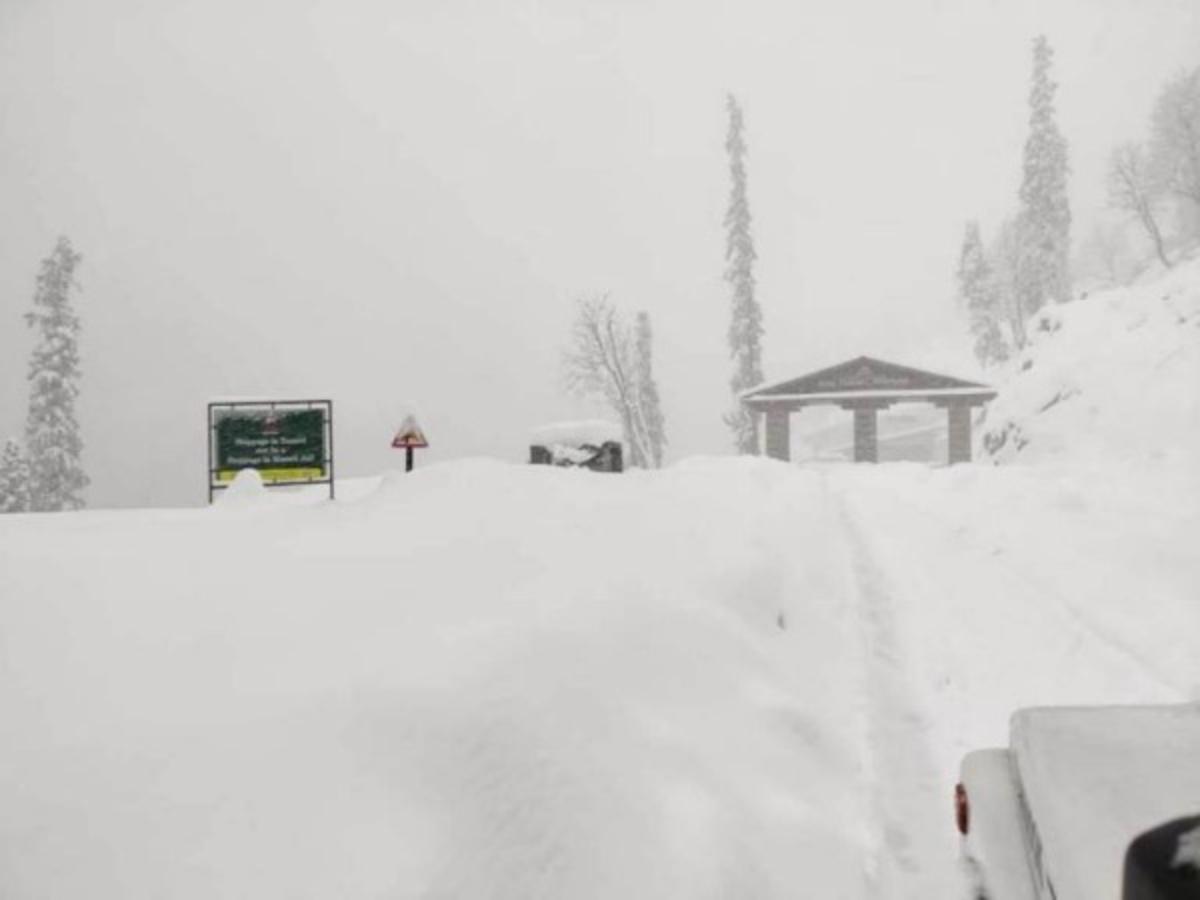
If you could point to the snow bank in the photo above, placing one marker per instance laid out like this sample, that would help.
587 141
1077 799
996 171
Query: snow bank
732 677
480 680
1110 377
246 488
249 493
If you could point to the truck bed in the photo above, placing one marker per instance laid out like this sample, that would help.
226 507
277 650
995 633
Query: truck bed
1094 778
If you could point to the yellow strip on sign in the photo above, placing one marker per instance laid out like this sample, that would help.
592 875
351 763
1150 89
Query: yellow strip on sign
277 476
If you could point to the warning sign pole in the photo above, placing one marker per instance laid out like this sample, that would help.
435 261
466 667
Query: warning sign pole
410 437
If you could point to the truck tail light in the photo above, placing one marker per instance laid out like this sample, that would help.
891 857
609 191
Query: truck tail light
962 809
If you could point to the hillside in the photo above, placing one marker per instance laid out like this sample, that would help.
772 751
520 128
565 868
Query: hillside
1112 377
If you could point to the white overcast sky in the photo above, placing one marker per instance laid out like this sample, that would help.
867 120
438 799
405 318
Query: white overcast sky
395 204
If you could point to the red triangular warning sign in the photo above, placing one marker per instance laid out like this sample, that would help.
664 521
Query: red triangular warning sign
409 435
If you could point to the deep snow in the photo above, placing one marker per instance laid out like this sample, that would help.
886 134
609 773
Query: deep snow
731 678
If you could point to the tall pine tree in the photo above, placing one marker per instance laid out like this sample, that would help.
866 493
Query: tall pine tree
745 327
14 479
977 289
52 441
1044 219
647 390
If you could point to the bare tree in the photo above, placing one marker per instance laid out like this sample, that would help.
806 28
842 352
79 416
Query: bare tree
602 362
1175 138
1132 188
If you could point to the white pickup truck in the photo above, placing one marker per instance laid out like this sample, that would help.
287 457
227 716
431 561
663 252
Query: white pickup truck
1053 816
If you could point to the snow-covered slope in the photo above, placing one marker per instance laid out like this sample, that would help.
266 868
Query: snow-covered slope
1114 376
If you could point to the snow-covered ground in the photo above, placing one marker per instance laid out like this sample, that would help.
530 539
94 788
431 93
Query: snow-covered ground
731 678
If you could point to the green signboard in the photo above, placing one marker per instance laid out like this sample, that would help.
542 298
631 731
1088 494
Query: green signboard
286 445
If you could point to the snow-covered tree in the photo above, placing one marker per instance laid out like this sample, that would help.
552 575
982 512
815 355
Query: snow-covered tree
647 390
1007 261
14 479
602 362
979 294
745 327
52 441
1044 219
1175 141
1132 189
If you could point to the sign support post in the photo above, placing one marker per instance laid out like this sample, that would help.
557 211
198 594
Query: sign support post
410 437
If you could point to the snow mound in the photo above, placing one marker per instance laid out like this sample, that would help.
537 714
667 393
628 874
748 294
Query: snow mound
1111 377
246 489
249 492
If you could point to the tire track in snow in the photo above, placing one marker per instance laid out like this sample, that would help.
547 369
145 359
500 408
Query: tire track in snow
904 790
1033 586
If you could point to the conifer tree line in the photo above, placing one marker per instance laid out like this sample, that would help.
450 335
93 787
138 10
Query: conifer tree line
1153 190
1002 286
46 474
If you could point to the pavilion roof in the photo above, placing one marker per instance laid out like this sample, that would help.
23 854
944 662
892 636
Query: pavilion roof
865 378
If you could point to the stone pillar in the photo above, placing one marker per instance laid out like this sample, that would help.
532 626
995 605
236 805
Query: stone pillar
866 434
866 427
959 444
779 433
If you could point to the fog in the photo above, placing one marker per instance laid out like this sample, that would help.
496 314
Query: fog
395 205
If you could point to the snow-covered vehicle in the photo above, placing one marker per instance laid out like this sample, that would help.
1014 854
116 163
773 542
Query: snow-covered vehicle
594 445
1053 816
